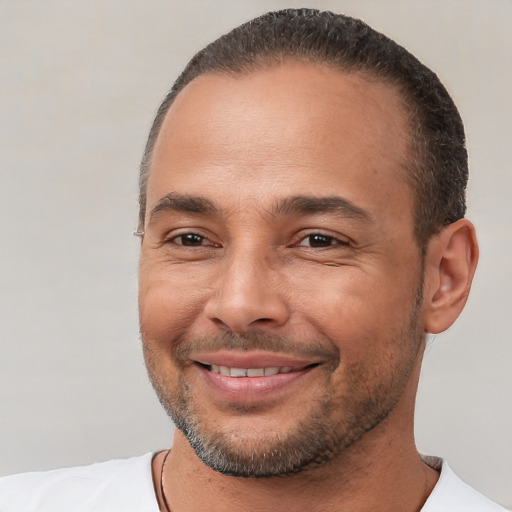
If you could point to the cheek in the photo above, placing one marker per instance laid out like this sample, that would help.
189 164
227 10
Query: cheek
354 308
170 300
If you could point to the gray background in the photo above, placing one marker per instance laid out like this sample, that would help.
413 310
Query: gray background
80 83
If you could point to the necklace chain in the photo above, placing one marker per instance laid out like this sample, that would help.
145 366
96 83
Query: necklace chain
162 492
168 509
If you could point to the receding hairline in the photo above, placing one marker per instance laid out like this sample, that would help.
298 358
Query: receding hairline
261 64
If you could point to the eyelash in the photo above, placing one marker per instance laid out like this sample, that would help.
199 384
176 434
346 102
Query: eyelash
191 234
330 240
334 241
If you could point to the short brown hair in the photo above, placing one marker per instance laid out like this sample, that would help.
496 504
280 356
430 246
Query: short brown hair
438 172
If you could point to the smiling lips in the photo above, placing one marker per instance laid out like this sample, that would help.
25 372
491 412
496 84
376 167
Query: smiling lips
251 372
250 377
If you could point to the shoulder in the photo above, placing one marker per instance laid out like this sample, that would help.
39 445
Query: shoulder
122 485
451 494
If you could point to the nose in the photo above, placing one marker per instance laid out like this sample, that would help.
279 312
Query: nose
247 295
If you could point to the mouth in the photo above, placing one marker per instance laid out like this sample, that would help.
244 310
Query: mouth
251 377
253 372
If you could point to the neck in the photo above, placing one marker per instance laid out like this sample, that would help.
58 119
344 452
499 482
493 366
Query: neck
395 479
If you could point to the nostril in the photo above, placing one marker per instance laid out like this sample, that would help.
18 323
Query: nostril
237 310
219 323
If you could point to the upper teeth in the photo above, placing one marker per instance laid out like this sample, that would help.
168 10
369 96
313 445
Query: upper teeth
250 372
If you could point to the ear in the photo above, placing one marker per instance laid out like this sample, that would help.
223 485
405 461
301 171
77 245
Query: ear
450 264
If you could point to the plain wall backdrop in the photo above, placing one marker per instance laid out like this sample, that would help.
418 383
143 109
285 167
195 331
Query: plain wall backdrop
80 84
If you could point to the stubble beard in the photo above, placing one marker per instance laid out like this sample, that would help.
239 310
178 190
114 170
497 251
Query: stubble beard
333 423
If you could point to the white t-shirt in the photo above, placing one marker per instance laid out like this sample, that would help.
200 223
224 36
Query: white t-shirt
127 486
124 485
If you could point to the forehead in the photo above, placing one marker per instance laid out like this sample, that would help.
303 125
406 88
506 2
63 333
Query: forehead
292 126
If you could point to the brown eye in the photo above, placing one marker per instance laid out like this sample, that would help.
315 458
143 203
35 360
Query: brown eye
322 241
190 240
318 240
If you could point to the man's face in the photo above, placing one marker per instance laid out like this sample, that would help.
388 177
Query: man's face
280 281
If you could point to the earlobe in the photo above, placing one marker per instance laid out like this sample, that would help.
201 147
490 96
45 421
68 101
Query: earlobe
450 264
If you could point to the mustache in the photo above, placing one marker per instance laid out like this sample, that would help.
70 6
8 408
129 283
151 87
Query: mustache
314 348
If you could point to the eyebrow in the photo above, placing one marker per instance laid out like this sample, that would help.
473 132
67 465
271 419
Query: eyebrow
310 205
173 202
305 205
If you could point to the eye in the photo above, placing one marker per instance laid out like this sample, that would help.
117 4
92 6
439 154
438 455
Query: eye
320 240
191 240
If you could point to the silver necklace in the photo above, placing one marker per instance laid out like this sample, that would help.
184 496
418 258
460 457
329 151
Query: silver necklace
164 499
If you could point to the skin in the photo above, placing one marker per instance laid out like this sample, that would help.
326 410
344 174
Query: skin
246 144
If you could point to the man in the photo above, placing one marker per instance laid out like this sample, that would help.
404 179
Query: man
302 224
